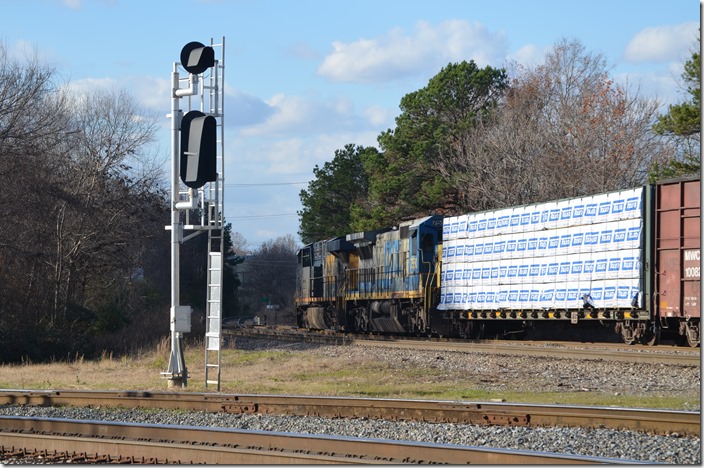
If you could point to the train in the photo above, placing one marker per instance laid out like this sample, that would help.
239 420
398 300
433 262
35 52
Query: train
626 259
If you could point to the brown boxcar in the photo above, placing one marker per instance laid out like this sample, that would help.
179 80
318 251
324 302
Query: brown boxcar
677 261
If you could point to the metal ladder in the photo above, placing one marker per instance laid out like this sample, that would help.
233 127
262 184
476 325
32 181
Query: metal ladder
212 102
213 319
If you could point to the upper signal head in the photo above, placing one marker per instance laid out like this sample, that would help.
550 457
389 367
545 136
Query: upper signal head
196 57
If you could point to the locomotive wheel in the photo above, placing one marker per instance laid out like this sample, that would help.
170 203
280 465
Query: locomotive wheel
329 318
361 322
419 328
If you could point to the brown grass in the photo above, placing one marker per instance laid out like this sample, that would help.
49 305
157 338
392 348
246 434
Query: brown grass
288 372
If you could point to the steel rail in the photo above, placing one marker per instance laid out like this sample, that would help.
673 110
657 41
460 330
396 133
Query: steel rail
459 412
187 444
688 359
682 357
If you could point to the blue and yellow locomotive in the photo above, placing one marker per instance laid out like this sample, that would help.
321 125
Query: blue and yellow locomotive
373 281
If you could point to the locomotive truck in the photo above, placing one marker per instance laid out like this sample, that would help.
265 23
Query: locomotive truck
629 259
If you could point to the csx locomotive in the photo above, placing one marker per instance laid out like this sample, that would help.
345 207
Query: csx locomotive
628 258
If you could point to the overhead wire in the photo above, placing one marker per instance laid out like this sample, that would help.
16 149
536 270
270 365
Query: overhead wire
279 215
264 183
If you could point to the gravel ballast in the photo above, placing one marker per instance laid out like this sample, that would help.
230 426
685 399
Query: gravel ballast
626 445
479 370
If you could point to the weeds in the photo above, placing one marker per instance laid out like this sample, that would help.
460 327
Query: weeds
290 372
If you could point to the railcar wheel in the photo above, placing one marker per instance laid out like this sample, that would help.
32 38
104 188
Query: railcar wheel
651 337
629 332
691 331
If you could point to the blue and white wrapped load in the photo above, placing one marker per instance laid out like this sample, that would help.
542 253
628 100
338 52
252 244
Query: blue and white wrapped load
545 256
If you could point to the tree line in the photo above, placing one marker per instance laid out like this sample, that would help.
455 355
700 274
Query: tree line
84 256
476 139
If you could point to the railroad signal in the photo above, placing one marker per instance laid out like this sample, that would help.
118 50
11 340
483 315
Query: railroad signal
196 57
198 149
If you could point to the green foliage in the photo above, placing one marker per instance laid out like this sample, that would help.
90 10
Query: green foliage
682 124
684 119
363 189
403 181
108 318
230 281
338 186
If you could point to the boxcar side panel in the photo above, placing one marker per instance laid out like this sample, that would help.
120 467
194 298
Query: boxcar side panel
678 248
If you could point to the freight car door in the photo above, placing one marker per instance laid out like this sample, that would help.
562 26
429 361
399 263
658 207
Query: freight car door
678 248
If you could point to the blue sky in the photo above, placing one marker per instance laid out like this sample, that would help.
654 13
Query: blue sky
306 77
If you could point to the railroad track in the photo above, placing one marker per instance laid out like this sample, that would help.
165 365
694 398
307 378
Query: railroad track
490 413
585 351
85 441
118 442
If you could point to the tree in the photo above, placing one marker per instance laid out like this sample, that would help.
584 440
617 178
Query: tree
682 125
83 212
338 186
33 120
563 129
239 244
404 181
270 276
102 205
233 244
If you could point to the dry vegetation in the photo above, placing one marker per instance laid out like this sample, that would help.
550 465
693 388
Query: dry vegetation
286 371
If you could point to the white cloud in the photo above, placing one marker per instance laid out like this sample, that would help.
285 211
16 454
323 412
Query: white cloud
398 55
269 211
650 85
292 157
91 84
288 156
289 112
380 117
72 4
296 115
153 93
529 55
27 52
662 43
243 109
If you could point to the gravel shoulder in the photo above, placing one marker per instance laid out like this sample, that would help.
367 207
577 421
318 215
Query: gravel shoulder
490 372
514 373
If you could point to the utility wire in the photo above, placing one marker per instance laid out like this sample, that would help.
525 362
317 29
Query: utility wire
263 184
280 215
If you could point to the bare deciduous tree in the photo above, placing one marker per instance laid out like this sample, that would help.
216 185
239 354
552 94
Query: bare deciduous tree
271 273
101 206
564 129
82 207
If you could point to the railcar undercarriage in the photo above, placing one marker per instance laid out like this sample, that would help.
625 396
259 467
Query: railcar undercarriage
405 316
